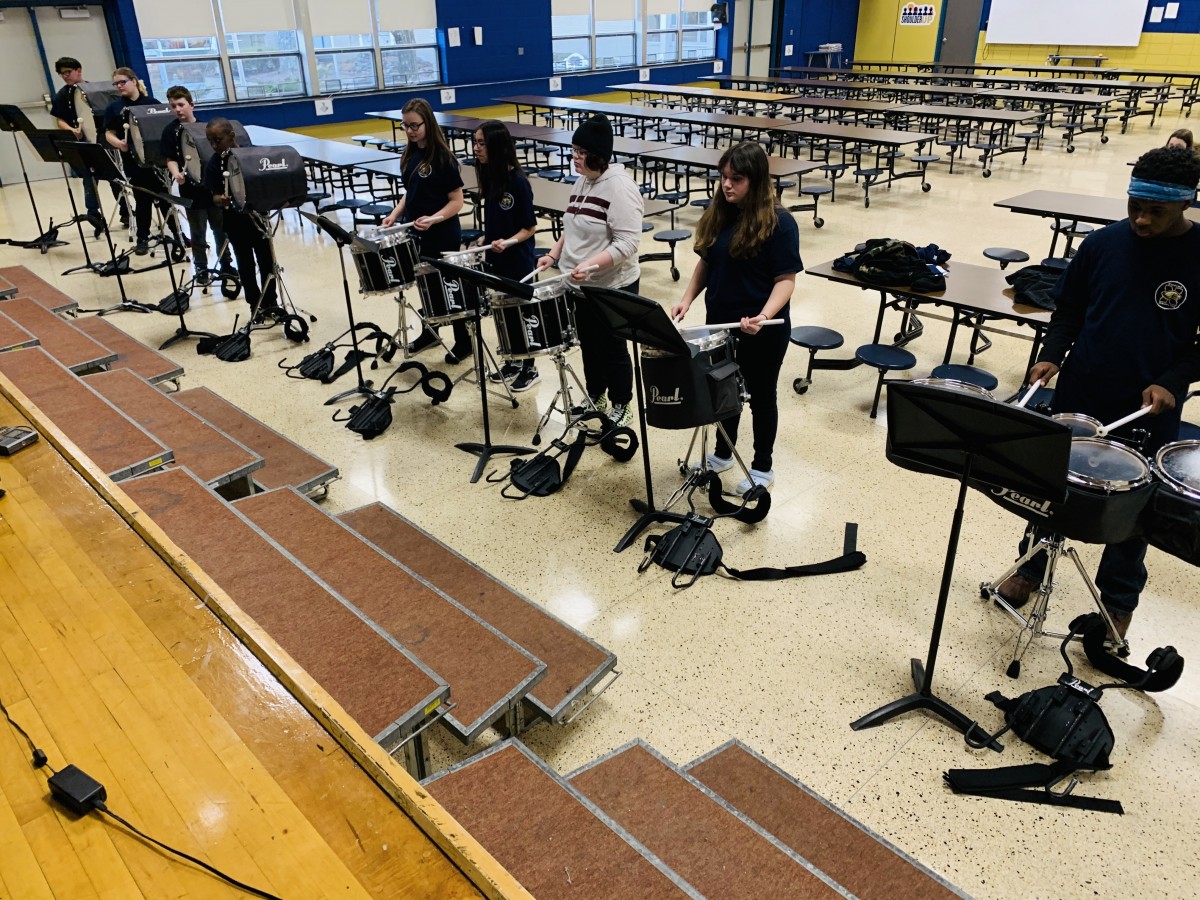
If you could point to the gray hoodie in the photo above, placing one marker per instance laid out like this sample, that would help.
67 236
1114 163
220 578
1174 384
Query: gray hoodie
604 214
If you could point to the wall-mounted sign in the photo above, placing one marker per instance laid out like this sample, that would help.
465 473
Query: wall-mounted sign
918 14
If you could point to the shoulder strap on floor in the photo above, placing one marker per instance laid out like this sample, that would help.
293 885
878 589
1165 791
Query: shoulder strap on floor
1026 784
850 560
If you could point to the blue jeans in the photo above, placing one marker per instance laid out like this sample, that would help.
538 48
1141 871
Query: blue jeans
90 201
1120 577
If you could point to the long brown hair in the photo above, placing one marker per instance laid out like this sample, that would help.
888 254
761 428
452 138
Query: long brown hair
502 159
757 219
437 151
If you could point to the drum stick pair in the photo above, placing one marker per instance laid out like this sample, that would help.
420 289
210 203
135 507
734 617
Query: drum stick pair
1104 429
525 280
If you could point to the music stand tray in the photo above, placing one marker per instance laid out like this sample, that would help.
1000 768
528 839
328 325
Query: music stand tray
984 444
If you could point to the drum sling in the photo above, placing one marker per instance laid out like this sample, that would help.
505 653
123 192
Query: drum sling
540 476
319 365
1064 721
372 417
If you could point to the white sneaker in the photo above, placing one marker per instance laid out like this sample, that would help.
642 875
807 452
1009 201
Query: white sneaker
766 479
718 463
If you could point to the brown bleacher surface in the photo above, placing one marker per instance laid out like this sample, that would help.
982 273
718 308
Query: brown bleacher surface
13 336
374 680
131 353
287 464
486 672
119 446
209 453
573 662
28 284
58 337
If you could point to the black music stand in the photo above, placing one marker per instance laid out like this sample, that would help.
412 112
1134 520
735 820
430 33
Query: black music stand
95 161
485 450
343 239
46 142
644 323
13 120
984 444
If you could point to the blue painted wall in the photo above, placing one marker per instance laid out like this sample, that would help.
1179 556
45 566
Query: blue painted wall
809 23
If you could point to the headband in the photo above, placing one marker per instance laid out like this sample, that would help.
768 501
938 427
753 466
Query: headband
1144 189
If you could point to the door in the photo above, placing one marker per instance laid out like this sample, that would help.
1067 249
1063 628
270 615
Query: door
23 71
960 33
753 28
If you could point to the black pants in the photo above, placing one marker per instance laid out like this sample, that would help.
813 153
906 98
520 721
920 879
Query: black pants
606 362
143 203
252 250
760 357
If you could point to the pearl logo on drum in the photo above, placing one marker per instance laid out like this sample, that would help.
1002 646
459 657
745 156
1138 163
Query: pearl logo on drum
1039 507
265 164
1170 295
660 399
531 324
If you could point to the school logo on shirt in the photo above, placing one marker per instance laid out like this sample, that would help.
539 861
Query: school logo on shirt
506 201
1170 295
424 170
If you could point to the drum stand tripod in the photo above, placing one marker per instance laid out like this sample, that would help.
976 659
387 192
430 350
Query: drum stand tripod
561 402
1033 623
696 476
485 450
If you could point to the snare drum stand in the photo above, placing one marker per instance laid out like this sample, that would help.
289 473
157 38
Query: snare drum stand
283 296
696 476
486 450
1033 623
562 395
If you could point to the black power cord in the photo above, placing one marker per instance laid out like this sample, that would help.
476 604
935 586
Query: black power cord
81 793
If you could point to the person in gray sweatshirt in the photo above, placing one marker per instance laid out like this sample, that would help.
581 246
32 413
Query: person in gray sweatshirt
602 227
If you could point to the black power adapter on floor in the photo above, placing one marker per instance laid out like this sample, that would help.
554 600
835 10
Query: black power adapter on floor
77 790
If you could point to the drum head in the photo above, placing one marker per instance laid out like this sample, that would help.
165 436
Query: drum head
1106 465
1080 425
1178 464
950 384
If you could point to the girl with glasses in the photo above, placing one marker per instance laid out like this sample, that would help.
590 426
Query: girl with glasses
434 188
130 93
507 215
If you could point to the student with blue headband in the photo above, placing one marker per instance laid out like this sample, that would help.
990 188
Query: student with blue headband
1125 336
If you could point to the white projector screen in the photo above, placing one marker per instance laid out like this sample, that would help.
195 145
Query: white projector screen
1088 23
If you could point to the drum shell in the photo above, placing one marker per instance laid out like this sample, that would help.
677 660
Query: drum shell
197 151
146 127
265 179
445 299
690 391
1172 519
536 327
1081 425
1091 514
386 265
91 99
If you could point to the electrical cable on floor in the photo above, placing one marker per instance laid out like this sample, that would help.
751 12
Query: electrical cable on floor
40 761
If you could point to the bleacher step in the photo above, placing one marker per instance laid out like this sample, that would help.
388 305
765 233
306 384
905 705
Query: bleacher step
285 463
574 663
131 353
862 862
539 828
25 283
487 673
58 337
691 830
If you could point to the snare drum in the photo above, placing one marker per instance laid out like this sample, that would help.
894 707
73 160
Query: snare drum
446 297
1108 487
90 99
961 387
694 390
1081 425
539 326
146 127
394 260
1172 521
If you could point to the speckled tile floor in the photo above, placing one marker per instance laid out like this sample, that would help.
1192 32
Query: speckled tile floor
782 666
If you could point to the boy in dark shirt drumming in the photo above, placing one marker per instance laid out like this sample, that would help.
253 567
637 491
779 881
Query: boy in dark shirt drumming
1129 316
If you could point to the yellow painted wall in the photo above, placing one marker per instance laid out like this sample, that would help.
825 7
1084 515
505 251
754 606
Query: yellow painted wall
881 36
1157 50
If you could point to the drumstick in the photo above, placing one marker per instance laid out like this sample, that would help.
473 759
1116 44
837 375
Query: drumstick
508 242
727 326
1105 429
1029 393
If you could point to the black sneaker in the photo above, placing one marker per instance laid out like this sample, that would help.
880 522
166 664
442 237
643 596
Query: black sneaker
142 248
507 372
525 379
457 355
426 340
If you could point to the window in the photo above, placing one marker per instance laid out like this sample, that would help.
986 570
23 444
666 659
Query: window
662 31
571 34
181 48
408 42
263 46
699 37
617 30
605 34
343 40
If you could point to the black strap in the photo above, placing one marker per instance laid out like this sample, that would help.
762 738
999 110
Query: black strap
755 505
850 560
1164 665
1016 783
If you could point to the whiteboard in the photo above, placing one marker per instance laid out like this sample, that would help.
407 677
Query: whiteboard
1089 23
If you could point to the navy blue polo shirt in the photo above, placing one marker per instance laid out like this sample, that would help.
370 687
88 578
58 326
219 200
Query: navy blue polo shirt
504 214
738 288
427 188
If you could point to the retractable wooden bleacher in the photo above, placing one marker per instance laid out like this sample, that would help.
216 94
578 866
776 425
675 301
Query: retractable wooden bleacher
58 337
379 683
575 665
14 337
131 353
30 285
488 674
119 446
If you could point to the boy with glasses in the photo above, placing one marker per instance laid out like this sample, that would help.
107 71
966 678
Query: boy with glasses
70 70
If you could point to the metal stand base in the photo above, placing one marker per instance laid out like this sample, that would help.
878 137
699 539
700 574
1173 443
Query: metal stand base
1033 622
561 402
